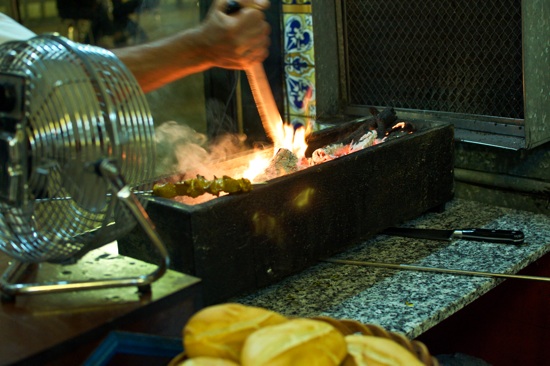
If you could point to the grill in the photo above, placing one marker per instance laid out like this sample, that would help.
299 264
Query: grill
243 242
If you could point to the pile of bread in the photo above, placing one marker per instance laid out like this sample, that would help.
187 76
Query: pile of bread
233 334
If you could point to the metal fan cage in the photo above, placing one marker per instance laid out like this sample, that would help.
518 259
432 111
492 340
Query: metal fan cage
79 105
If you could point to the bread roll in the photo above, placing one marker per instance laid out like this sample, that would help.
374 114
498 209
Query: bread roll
207 361
377 351
294 343
220 330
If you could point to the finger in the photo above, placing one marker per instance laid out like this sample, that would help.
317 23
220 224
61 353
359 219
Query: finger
256 52
247 43
252 20
256 4
221 5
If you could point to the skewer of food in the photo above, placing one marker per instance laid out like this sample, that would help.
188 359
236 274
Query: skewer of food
195 187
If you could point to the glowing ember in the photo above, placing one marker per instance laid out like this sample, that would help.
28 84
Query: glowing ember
288 154
290 146
288 151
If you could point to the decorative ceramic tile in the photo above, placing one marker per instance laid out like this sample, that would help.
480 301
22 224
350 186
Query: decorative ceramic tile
298 36
300 121
299 61
296 64
300 91
296 6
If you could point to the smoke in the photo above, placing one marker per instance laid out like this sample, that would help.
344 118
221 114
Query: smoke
182 150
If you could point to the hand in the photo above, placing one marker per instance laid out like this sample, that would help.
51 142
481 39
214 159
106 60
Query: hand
237 40
234 41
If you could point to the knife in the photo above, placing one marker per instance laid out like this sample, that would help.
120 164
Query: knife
488 235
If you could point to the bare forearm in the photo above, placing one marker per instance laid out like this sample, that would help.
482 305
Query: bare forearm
227 41
161 62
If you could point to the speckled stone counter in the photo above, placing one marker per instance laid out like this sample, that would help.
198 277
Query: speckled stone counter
405 301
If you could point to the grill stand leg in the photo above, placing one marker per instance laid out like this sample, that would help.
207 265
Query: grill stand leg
9 288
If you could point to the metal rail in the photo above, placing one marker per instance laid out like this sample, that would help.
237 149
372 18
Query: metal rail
408 267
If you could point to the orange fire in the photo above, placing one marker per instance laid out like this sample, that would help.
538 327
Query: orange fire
284 136
292 139
255 167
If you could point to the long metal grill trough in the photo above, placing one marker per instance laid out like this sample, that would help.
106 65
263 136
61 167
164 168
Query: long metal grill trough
243 242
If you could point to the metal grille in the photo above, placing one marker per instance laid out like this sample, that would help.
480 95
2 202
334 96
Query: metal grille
446 55
80 105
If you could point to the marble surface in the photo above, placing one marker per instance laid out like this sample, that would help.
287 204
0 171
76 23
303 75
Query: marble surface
404 301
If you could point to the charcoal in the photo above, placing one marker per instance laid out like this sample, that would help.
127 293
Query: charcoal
381 122
283 163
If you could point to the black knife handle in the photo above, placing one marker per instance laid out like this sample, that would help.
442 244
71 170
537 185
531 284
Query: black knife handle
494 236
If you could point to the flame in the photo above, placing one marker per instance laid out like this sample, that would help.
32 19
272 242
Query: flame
284 135
255 167
291 139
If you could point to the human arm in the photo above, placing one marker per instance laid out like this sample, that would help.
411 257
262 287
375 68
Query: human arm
226 41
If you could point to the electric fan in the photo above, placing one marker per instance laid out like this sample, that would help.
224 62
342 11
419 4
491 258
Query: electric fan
75 134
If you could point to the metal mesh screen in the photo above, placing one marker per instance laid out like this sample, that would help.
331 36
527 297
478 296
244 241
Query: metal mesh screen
442 55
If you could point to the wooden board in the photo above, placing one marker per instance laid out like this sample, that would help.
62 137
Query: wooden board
49 328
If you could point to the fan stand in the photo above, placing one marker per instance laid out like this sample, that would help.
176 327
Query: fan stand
107 169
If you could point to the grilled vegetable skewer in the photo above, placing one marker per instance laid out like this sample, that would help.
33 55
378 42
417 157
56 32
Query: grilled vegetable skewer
195 187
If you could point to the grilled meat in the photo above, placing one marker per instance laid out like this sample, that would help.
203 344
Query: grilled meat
200 185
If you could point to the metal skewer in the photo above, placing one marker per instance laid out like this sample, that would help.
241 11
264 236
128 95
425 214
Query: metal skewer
149 192
435 269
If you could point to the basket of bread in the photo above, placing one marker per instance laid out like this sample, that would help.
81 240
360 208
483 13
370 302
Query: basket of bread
233 334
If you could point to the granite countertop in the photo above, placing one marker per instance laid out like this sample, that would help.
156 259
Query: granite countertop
404 301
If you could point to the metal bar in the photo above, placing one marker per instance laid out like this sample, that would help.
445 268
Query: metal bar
9 287
504 181
435 269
